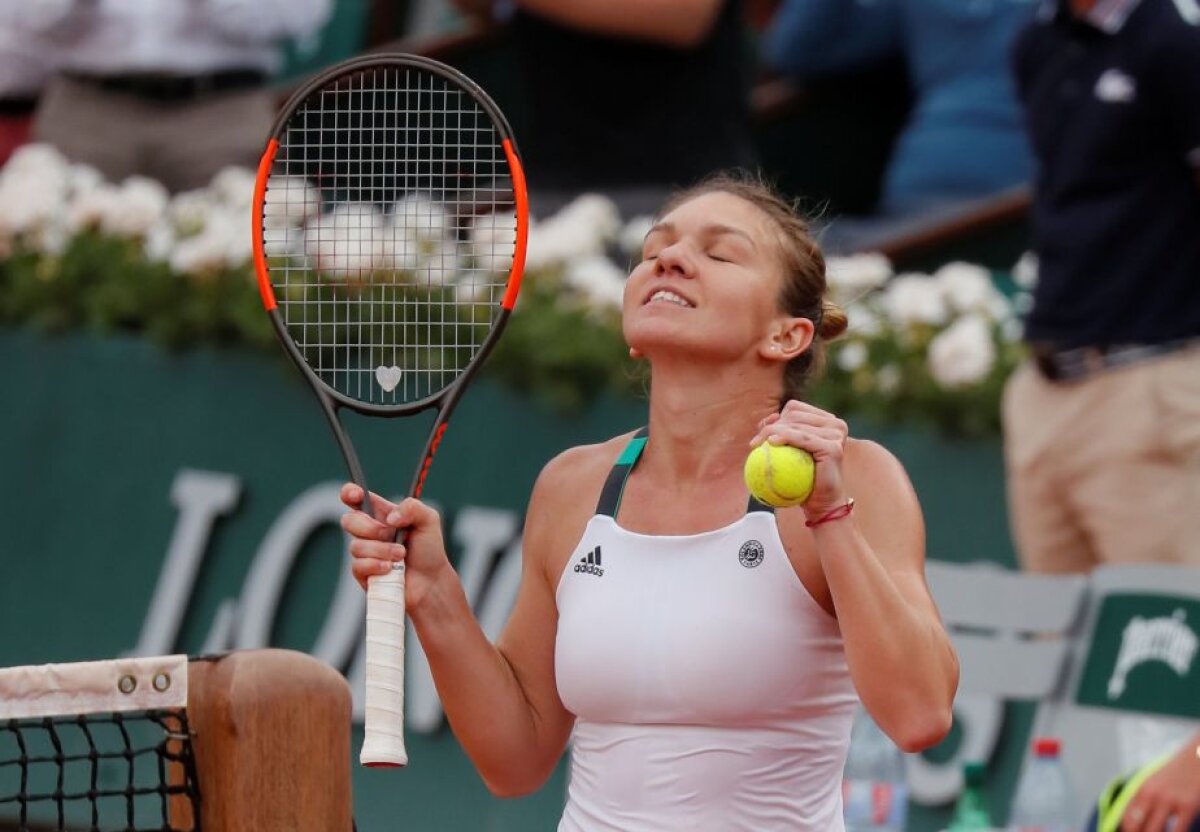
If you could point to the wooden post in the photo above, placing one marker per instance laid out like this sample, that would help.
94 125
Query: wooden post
271 737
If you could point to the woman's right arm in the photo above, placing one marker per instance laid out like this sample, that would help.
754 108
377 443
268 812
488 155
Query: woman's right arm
501 699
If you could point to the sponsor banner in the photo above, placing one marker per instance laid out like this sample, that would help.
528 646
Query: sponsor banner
1143 656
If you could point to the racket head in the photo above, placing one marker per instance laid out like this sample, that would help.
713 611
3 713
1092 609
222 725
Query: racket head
390 224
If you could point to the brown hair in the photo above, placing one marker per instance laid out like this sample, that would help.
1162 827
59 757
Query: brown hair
803 292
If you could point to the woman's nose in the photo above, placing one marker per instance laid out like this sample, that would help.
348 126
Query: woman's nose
675 259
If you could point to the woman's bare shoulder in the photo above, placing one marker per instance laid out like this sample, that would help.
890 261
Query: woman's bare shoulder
577 469
871 467
565 495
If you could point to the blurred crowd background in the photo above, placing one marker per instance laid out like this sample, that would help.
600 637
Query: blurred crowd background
884 111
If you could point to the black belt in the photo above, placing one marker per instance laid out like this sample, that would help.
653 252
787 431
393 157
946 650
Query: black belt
172 88
17 106
1080 362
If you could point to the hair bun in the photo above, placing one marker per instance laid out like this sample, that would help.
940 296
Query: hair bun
833 320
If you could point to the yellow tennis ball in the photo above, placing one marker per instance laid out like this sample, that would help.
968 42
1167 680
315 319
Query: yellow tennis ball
779 475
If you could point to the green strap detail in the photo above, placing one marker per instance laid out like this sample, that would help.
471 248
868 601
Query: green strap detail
629 458
632 451
614 487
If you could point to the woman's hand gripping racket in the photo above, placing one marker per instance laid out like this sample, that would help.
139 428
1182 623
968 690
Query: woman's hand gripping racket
390 220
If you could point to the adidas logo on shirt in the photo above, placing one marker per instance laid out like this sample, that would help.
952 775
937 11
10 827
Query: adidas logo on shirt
590 563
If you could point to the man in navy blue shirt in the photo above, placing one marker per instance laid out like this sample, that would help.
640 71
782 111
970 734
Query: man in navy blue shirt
1102 426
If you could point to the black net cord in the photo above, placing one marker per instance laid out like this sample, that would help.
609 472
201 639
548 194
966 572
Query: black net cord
93 771
60 770
127 753
47 750
24 777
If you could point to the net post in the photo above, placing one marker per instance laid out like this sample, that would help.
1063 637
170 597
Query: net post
272 742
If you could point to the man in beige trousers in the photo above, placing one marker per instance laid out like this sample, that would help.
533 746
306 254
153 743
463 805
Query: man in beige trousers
170 89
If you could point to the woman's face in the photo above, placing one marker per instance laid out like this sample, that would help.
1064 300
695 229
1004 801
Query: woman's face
708 282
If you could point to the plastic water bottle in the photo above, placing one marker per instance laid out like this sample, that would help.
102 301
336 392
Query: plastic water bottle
1044 801
874 792
971 810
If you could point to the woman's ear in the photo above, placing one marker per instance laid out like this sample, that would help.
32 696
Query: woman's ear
789 339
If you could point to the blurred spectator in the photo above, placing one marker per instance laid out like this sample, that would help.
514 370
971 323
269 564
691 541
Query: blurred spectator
1102 427
23 72
630 95
1161 795
171 89
964 138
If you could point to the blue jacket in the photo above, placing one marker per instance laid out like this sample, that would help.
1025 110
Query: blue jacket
965 137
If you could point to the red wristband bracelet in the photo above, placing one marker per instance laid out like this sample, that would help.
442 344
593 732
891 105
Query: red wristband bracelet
833 514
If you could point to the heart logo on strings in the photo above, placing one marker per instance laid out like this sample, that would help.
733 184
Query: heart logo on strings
388 377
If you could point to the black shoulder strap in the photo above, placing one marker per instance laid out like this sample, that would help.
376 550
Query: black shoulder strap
614 486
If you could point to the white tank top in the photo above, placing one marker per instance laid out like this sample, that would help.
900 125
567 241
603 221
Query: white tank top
710 689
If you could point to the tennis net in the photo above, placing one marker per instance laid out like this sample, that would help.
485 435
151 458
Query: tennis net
98 746
247 741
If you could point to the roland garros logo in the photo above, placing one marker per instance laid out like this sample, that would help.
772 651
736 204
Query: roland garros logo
1167 639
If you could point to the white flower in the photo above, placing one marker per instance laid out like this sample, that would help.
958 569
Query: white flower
141 204
863 321
969 288
634 234
914 299
963 353
223 243
159 242
27 205
1012 330
289 201
234 187
598 279
440 266
581 229
283 242
93 208
82 178
421 219
852 355
594 211
474 286
1025 271
189 211
398 249
551 244
41 163
492 241
33 189
887 379
347 241
416 230
849 278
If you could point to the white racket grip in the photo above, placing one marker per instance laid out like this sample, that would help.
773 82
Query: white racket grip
383 739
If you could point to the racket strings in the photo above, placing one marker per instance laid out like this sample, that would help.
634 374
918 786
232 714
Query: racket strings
390 230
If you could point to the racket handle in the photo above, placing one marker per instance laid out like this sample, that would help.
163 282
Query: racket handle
383 740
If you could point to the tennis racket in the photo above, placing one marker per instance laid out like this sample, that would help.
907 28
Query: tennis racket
390 221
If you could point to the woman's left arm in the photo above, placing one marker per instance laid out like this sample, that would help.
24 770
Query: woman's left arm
900 656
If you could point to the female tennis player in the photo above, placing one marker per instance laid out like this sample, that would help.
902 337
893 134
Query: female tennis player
704 654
